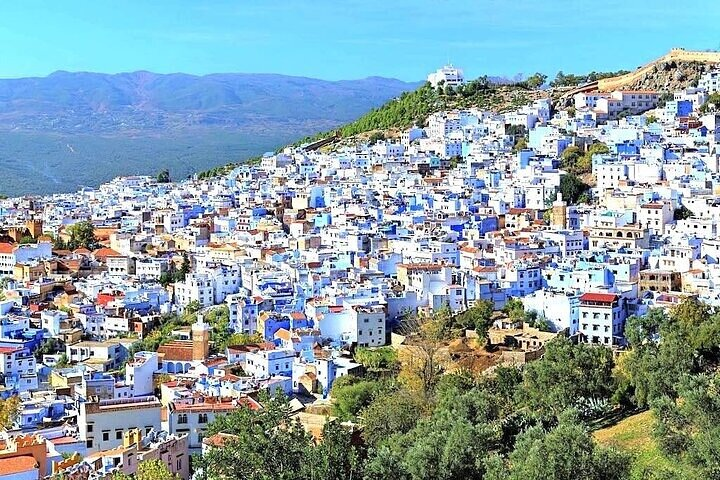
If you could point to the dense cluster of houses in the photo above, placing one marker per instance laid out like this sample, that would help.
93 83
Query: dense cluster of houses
316 254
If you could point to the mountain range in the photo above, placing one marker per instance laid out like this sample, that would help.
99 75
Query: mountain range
79 129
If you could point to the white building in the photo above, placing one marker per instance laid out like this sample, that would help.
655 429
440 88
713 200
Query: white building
102 423
560 309
710 81
602 318
266 363
448 74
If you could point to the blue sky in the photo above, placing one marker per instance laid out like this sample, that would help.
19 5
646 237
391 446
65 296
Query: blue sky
345 39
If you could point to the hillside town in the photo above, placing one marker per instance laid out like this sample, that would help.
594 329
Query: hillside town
134 314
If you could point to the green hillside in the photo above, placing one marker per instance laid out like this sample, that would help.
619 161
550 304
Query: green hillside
413 108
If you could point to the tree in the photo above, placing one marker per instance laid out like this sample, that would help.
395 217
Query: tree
572 188
452 443
478 318
163 176
63 361
270 444
82 234
682 213
395 413
9 411
570 158
711 104
536 81
382 358
166 278
567 452
645 328
49 346
376 137
336 458
420 366
514 309
566 375
520 144
154 469
27 239
351 394
192 308
184 269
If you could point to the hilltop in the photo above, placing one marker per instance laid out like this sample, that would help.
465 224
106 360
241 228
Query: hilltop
676 70
53 128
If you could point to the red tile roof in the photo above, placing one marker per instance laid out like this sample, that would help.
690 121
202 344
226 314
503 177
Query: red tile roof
7 248
598 297
105 252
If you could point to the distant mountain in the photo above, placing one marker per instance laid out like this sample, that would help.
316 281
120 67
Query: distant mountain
144 121
143 101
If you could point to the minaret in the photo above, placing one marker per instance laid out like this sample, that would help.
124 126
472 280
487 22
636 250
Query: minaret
559 212
200 339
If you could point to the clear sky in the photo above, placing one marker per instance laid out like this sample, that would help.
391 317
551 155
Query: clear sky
345 39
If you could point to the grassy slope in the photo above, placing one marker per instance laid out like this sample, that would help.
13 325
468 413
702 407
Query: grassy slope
634 435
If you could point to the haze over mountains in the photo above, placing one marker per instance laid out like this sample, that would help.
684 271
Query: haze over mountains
72 129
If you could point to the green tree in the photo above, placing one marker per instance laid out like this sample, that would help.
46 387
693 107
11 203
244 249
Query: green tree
514 309
351 394
566 375
166 278
49 346
567 452
336 457
382 358
570 158
478 318
394 413
256 448
154 469
682 213
452 443
163 176
63 361
82 234
184 269
192 308
536 81
376 137
711 104
270 444
572 188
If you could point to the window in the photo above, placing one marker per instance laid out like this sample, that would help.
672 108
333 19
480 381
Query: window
182 418
106 436
202 418
89 443
89 428
118 434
